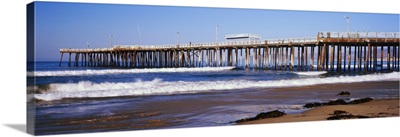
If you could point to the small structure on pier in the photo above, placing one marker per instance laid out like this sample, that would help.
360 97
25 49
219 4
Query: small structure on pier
242 37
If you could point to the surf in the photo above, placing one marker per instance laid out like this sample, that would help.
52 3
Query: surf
88 89
123 71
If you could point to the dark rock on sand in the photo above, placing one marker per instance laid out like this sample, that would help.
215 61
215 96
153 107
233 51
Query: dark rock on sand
317 104
263 115
339 112
344 93
346 116
336 102
311 105
362 100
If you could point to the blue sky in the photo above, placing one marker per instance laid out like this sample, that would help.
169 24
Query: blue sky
72 25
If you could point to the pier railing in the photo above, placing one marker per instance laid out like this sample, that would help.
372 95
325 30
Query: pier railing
359 35
220 44
277 42
87 50
282 41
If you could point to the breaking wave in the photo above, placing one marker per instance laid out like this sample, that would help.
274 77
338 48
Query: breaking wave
87 89
123 71
311 73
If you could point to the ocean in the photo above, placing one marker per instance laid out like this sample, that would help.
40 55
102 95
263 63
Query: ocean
92 99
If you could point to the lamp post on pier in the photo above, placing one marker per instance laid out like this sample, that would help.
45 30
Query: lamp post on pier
347 18
111 38
178 38
140 39
216 35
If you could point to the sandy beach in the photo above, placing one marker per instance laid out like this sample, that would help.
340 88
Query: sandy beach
373 109
214 109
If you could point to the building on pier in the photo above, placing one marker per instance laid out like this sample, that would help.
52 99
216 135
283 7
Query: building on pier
243 37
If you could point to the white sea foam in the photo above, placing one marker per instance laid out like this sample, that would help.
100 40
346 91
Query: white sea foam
123 71
87 89
311 73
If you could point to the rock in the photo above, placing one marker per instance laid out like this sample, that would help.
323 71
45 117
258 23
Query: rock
271 114
336 102
362 100
311 105
345 116
339 112
263 115
317 104
344 93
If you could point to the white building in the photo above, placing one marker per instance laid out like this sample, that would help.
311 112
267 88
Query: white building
242 37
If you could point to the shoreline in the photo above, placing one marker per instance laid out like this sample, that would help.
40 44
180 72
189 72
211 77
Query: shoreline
198 110
374 109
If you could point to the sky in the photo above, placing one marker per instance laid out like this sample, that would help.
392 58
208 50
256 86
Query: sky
73 25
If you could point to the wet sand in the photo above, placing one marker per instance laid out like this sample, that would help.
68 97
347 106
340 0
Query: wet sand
216 109
373 109
380 107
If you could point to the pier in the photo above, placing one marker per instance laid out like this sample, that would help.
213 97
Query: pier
328 51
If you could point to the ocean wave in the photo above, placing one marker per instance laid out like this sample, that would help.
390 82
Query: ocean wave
311 73
87 89
123 71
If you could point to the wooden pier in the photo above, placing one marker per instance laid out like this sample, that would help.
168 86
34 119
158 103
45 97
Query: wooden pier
328 51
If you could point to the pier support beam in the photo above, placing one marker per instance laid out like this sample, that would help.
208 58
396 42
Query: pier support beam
339 64
375 57
236 58
323 56
396 56
360 57
344 58
327 57
82 57
337 58
388 58
220 57
281 58
349 58
298 59
355 58
276 57
331 57
229 57
291 58
260 57
286 58
368 57
69 60
215 57
365 58
267 57
302 58
312 58
305 58
381 57
77 59
59 64
246 57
